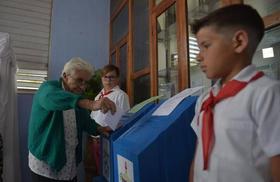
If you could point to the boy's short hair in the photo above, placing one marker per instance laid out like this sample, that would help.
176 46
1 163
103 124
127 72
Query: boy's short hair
110 67
234 16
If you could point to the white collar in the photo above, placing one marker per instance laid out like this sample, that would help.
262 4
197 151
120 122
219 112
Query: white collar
113 89
244 75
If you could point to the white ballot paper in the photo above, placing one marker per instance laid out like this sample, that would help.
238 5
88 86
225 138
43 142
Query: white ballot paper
108 119
170 104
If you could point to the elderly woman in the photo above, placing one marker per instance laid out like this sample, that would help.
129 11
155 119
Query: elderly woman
58 117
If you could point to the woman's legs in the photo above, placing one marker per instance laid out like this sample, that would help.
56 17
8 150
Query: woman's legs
37 178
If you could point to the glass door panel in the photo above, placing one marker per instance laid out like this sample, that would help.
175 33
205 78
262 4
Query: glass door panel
264 7
167 57
120 25
123 67
158 1
142 88
113 58
267 56
114 4
140 35
196 10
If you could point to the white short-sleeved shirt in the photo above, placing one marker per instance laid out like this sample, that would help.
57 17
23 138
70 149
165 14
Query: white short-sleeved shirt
247 132
118 96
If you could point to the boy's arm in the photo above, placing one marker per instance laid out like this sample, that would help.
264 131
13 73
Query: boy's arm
275 166
191 172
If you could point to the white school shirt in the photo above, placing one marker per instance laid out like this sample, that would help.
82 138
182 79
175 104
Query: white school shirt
69 171
119 97
246 130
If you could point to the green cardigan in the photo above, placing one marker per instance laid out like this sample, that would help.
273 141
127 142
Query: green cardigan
46 129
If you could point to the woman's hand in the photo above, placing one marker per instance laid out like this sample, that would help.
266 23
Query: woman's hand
103 104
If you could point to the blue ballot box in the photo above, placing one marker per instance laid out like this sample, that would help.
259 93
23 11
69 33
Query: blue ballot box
128 120
157 148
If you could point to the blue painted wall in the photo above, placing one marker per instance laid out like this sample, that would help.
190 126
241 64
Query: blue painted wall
79 28
24 108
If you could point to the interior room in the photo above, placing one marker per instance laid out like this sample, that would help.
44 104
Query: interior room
150 41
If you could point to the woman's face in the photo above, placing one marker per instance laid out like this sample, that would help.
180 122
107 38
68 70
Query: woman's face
110 80
76 81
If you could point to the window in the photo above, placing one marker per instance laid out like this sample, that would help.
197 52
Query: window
196 10
30 79
266 57
28 24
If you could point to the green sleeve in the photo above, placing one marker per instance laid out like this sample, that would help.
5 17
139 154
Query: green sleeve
53 98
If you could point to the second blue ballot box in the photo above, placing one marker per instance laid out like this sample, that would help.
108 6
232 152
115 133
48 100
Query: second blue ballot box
157 148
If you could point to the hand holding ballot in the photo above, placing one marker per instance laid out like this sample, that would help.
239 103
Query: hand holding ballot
108 119
105 105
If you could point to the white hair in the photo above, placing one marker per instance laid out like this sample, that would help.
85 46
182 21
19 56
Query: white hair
77 63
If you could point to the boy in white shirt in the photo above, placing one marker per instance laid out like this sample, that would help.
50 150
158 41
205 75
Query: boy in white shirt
110 76
237 121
